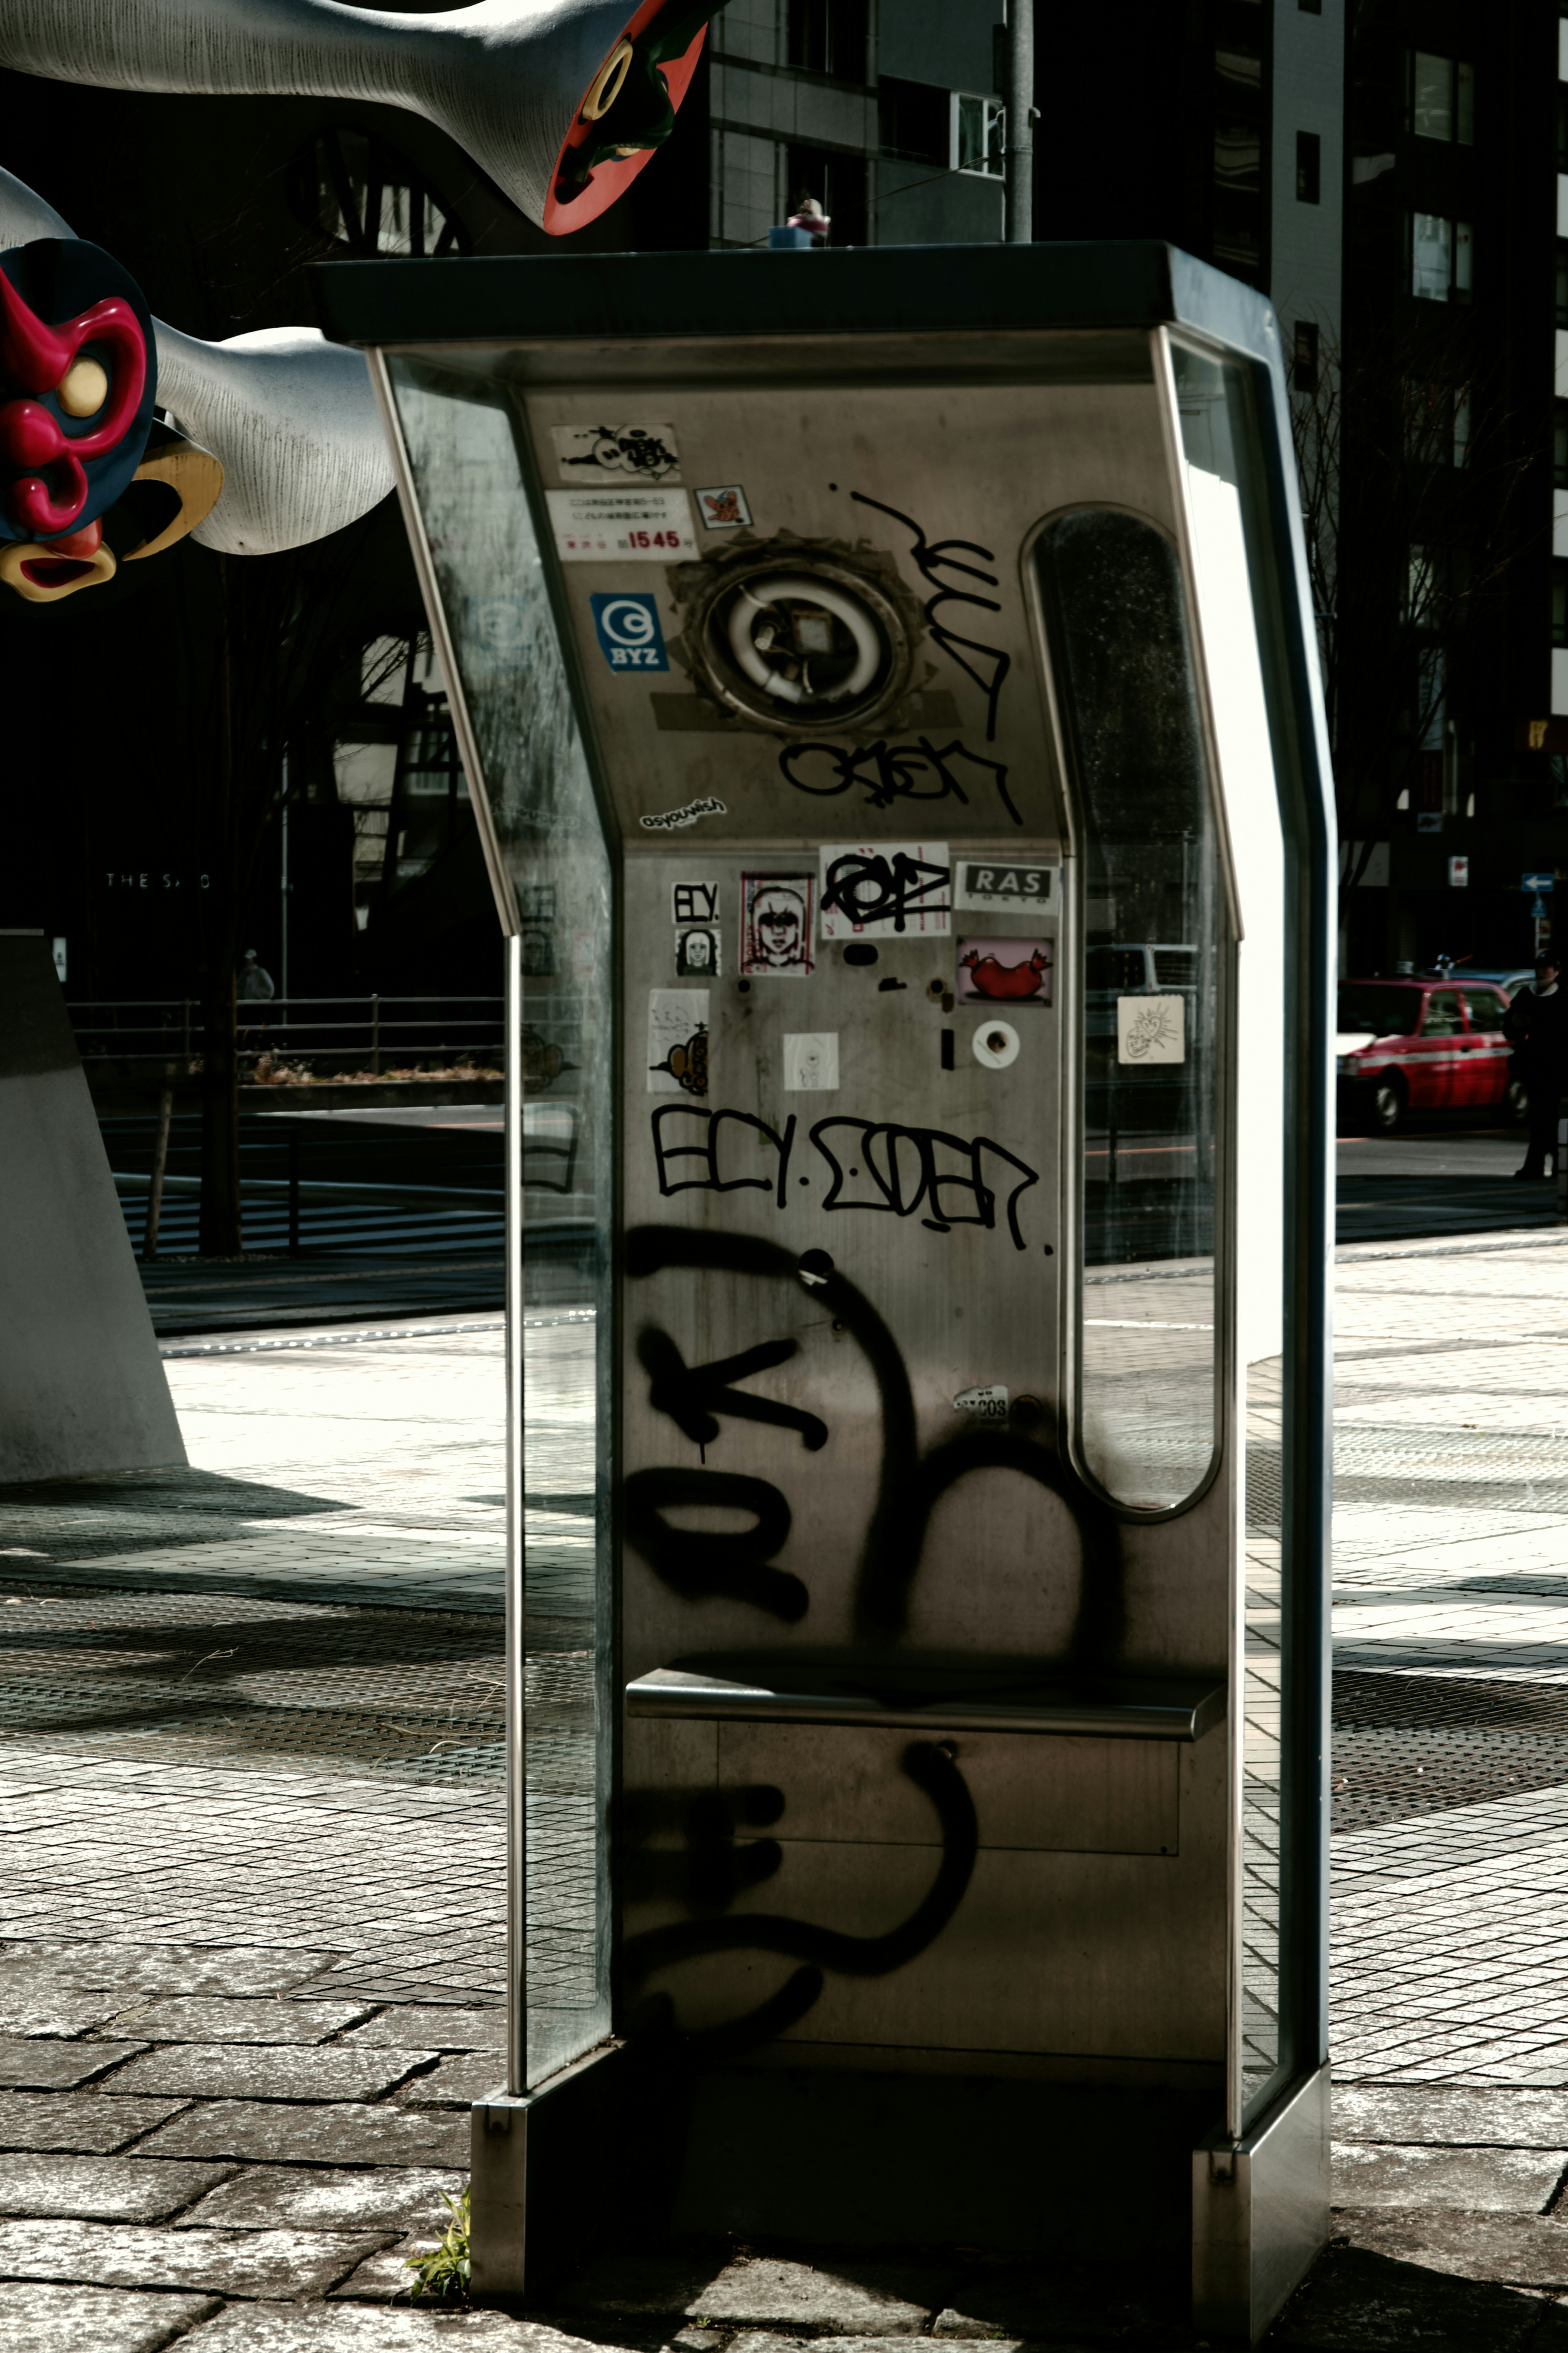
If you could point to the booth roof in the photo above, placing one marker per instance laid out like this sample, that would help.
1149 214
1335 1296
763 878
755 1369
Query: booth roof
860 291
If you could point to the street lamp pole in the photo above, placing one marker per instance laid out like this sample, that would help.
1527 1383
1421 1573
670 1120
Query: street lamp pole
1019 95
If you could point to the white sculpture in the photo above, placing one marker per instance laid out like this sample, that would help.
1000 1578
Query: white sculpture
290 418
511 80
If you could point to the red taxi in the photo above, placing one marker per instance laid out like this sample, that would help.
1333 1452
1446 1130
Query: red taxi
1407 1046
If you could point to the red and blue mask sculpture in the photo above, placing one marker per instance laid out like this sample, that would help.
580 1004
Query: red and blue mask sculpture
78 491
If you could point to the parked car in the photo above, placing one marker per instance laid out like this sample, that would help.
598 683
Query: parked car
1414 1045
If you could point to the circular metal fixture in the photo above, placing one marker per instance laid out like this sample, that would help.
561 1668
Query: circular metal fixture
995 1045
802 643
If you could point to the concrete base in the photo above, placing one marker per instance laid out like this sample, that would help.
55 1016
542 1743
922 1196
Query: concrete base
543 2175
82 1382
1260 2213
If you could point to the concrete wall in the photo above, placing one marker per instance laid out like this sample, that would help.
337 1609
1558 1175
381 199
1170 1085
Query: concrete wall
82 1383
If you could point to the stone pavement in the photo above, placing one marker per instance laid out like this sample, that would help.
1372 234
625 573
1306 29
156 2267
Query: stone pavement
251 1960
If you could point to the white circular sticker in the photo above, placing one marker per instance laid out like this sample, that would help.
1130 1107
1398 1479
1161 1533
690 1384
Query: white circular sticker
995 1045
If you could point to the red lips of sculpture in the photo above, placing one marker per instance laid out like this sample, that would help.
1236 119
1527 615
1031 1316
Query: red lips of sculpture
32 440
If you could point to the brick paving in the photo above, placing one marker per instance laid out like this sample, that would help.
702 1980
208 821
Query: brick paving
250 1973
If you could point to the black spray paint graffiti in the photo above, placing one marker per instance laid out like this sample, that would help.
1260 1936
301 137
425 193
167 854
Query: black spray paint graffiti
876 889
910 1487
900 1171
692 1395
871 1165
892 772
931 558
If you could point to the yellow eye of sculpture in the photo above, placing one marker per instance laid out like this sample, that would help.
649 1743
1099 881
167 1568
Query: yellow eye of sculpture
83 388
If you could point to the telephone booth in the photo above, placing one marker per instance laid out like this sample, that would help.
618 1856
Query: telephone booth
887 686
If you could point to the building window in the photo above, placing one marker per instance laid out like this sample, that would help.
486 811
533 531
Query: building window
914 120
1563 281
828 36
1311 7
1304 367
1440 97
1461 423
1309 163
1442 256
977 135
1559 444
1559 601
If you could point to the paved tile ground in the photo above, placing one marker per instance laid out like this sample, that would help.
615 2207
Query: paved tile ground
251 1972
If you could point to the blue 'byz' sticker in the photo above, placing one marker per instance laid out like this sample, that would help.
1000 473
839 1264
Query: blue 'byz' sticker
629 634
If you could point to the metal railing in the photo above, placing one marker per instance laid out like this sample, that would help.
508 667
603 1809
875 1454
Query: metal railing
168 1029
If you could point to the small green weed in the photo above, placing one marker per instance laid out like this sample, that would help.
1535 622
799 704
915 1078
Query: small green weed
443 2274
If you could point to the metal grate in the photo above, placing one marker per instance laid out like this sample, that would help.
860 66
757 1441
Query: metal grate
1411 1745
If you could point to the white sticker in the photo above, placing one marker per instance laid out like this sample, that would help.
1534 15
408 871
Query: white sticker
995 1045
886 891
677 1041
697 952
1000 885
810 1061
668 820
615 453
627 526
694 902
982 1405
1151 1029
725 508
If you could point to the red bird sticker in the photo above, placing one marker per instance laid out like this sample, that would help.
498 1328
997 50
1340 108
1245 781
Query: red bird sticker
1004 972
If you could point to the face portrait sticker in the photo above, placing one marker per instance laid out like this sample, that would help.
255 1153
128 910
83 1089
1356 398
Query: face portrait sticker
777 922
677 1041
724 509
697 952
615 453
629 635
1004 972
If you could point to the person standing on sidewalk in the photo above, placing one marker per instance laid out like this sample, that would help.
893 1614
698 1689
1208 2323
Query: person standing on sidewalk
1536 1024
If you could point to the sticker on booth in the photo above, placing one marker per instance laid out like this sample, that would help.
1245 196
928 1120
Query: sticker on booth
886 891
616 453
630 526
677 1041
671 820
725 508
1151 1029
1004 972
630 635
1001 886
694 902
988 1404
777 919
697 952
810 1061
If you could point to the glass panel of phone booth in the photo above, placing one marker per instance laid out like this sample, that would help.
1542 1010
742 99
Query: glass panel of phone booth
1128 693
1231 564
457 435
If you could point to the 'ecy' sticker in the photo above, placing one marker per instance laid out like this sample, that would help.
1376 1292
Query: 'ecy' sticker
694 902
630 635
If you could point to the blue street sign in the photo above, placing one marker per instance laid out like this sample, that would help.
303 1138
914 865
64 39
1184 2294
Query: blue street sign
1536 881
1538 909
630 635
